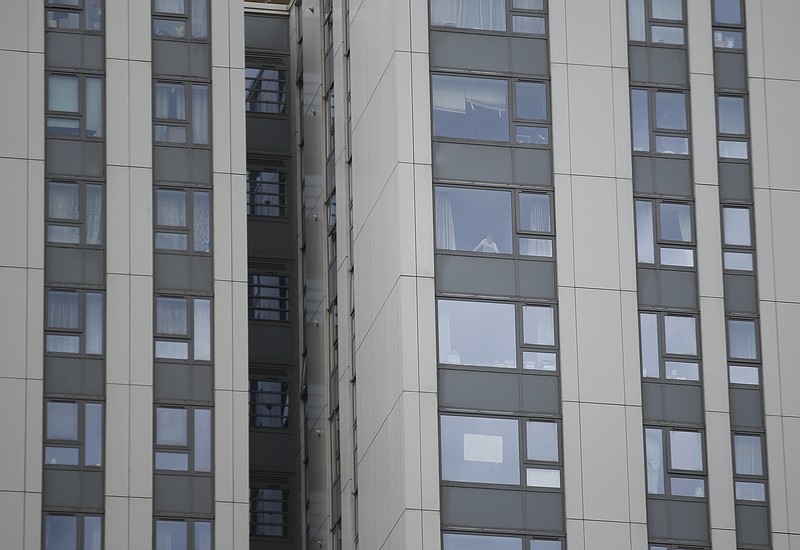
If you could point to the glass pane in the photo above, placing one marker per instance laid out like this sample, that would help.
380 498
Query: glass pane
667 35
687 487
686 451
94 323
538 325
178 462
65 456
202 440
728 12
171 315
62 93
477 333
170 426
541 477
480 450
171 535
64 234
750 491
171 241
170 101
201 221
527 25
680 335
63 309
200 19
537 360
645 238
200 114
202 535
736 226
534 213
538 544
165 28
742 339
94 214
170 6
473 220
172 350
676 222
636 21
648 337
677 370
60 532
529 4
169 134
489 15
670 111
94 17
532 100
672 145
641 120
747 451
742 261
536 247
727 39
63 127
92 533
94 107
740 374
730 111
682 257
533 135
654 449
63 201
733 149
63 20
93 452
62 421
542 438
202 330
66 2
453 541
470 108
668 9
63 344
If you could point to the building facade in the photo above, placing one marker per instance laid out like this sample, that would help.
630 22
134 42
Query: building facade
535 287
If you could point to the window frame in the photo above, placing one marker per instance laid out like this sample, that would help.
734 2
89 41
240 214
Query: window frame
284 298
81 442
510 12
80 527
188 121
189 228
650 21
82 112
82 222
663 356
186 18
190 529
190 337
760 479
82 10
81 330
282 194
659 241
670 472
285 513
190 449
262 66
653 131
723 137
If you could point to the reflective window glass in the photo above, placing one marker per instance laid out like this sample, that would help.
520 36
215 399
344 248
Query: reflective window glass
747 452
480 450
742 339
728 39
470 108
170 101
680 335
667 35
741 374
542 477
532 100
671 110
540 544
755 492
528 25
202 440
60 532
178 462
534 213
167 28
92 533
63 309
672 145
537 360
171 426
65 456
736 226
529 4
171 535
453 541
676 222
473 220
93 438
645 239
62 421
170 6
171 316
200 19
730 113
477 333
538 325
489 15
542 438
641 120
686 450
636 21
728 12
654 449
687 487
202 329
202 535
668 9
62 93
733 149
678 370
648 338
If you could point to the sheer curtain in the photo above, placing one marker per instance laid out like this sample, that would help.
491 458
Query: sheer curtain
747 450
94 214
201 222
445 344
63 201
202 329
636 20
445 228
655 461
200 114
171 316
94 323
199 18
63 310
667 9
170 101
742 339
94 107
644 232
685 224
487 15
171 208
538 219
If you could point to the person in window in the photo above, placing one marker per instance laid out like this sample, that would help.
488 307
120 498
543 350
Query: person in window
487 245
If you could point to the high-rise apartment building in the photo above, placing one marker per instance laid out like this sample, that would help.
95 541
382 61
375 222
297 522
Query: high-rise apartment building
399 274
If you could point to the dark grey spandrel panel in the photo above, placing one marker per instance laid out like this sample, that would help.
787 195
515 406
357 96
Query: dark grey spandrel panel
746 408
647 286
200 60
94 52
182 494
729 71
182 165
638 63
657 519
173 58
256 544
491 508
64 50
484 391
669 66
266 33
268 134
678 288
533 167
72 490
271 342
735 182
94 159
272 451
683 404
752 525
183 383
182 272
270 238
740 293
537 279
64 157
200 166
74 377
689 521
662 176
529 56
455 50
74 266
540 394
475 163
476 275
652 402
544 511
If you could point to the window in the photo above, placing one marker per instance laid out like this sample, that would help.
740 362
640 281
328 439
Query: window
666 130
477 333
180 19
269 404
267 193
453 541
74 322
268 297
535 223
742 339
73 434
664 233
738 249
732 124
183 534
538 324
265 90
480 449
532 105
728 12
749 473
526 16
182 220
74 106
73 532
74 15
183 439
669 346
75 213
471 108
674 462
542 453
181 113
180 322
660 22
270 512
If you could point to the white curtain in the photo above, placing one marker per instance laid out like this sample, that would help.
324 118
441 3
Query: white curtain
202 329
63 309
171 316
170 101
454 94
636 20
445 227
171 208
63 201
742 339
92 533
655 461
538 217
94 214
201 222
538 325
667 9
94 323
200 114
487 15
200 19
747 449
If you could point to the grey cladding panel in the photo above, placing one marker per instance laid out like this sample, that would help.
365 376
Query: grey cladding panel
182 382
540 394
663 287
173 58
533 167
740 293
75 158
74 51
455 50
491 508
266 33
182 272
182 494
74 265
72 489
181 165
479 163
268 134
544 512
476 275
529 56
74 377
746 408
729 71
664 176
734 181
752 525
488 391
